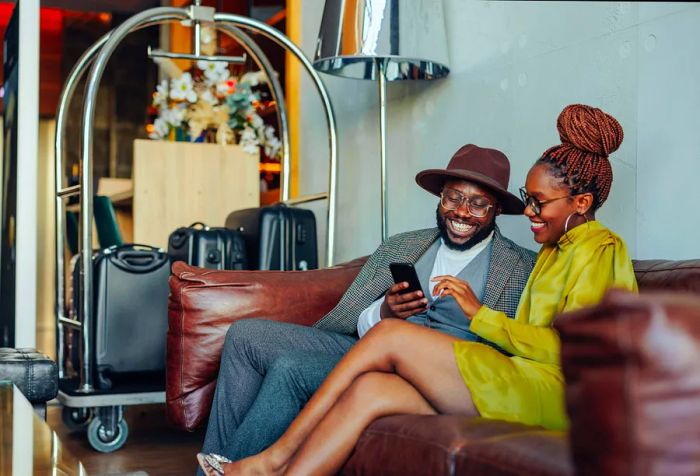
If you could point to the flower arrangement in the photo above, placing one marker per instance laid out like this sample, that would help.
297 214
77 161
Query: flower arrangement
208 104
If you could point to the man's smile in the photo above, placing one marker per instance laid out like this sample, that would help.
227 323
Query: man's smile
460 228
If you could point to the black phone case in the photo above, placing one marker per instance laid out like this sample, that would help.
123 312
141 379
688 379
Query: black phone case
406 272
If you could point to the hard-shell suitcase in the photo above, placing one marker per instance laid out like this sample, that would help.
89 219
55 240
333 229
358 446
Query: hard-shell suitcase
130 311
277 237
213 248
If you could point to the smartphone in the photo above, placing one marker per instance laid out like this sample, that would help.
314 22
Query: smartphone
406 272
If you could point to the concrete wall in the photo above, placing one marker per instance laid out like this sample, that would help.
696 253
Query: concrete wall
514 67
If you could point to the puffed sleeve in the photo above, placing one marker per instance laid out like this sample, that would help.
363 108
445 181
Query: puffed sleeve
611 267
540 343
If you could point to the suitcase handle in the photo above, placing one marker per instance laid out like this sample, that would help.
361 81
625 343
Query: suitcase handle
202 226
131 246
132 258
179 236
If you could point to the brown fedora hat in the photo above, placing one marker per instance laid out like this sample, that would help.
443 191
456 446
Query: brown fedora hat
487 167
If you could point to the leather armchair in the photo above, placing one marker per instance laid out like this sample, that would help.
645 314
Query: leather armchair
612 361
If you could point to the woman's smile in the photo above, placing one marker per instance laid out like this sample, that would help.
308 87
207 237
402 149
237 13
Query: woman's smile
537 226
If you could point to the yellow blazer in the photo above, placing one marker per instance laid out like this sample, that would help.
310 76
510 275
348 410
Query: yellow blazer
528 387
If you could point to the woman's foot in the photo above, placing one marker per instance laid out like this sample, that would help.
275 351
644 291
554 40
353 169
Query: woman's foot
212 463
258 465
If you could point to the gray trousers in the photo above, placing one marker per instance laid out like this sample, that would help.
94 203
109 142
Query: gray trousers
268 372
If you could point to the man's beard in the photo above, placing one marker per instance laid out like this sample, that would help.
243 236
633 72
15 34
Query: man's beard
480 234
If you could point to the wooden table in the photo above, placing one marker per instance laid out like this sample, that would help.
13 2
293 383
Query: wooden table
27 444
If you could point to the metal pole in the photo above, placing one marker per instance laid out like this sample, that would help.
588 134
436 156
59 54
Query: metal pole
382 144
86 173
285 42
71 83
59 148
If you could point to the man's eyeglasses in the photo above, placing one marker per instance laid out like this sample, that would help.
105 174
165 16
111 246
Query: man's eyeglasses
535 204
451 199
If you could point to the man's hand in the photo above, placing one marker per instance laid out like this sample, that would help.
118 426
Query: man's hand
402 305
458 289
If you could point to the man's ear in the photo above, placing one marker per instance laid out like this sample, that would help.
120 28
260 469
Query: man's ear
584 202
499 209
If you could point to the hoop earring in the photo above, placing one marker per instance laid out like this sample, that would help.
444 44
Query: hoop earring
566 223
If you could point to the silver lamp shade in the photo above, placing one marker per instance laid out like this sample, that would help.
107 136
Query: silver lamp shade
407 36
383 40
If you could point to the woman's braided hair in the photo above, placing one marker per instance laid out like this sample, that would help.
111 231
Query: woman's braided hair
588 136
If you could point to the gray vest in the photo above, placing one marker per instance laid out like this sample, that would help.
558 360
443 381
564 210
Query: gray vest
444 314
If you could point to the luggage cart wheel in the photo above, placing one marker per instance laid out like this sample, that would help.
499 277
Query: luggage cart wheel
76 418
108 430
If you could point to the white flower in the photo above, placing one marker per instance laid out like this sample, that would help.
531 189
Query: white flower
173 116
272 147
207 96
250 147
248 134
182 88
272 143
160 97
256 121
214 71
249 141
222 88
160 129
270 133
253 77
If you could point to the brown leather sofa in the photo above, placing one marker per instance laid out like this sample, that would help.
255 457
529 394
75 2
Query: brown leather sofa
632 366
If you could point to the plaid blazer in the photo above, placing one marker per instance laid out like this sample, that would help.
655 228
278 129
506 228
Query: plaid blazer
509 270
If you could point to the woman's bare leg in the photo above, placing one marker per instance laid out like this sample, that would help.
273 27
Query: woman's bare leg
371 396
415 353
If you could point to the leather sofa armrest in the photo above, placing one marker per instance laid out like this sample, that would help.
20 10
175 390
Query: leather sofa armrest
202 305
633 384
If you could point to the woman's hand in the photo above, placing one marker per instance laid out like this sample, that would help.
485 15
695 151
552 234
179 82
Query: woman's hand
402 305
458 289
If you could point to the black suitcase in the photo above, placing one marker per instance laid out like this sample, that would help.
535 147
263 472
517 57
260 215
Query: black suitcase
213 248
130 284
277 237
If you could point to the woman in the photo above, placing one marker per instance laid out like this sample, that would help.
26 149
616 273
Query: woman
392 369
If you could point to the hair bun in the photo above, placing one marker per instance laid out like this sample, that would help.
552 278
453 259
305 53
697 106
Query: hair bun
589 129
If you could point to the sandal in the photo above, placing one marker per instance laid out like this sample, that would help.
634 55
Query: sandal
211 463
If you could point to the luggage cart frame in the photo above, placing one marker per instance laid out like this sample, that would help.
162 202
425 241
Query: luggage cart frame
84 406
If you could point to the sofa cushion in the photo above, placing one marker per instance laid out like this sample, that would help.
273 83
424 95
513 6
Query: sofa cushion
633 384
409 444
202 305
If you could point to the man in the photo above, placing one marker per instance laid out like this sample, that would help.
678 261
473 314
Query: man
269 369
